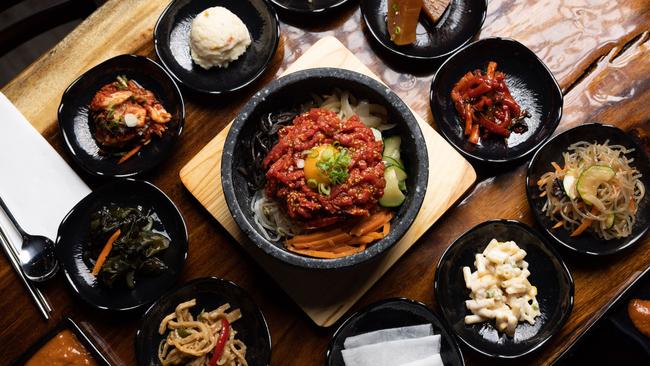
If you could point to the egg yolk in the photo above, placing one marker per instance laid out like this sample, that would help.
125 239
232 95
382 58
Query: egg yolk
313 157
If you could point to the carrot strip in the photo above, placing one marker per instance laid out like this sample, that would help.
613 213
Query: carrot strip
557 167
542 194
107 249
128 155
559 224
585 224
324 243
326 255
372 223
386 229
319 235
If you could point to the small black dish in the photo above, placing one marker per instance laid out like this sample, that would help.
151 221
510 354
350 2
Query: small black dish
548 273
73 235
393 313
172 43
69 324
530 82
461 21
75 124
210 293
308 8
552 151
290 91
614 318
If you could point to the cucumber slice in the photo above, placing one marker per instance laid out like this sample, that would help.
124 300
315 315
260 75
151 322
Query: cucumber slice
399 173
591 179
388 162
391 147
569 184
610 221
393 196
402 185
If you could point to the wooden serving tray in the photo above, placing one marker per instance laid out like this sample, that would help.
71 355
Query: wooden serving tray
326 295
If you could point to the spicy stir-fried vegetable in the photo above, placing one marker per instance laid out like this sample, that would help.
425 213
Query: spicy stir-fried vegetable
123 243
484 100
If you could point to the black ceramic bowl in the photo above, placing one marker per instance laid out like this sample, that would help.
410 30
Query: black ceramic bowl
587 243
307 8
457 26
65 324
291 91
531 83
74 235
548 273
209 293
393 313
75 125
172 43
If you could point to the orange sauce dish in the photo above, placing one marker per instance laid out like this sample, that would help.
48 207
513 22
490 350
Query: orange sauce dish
639 312
62 350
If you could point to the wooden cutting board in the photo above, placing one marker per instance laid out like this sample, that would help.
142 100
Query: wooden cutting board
326 296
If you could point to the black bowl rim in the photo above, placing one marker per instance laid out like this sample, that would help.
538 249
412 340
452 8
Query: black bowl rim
319 11
386 47
91 196
157 45
410 302
567 273
207 279
284 255
477 157
547 231
66 323
120 58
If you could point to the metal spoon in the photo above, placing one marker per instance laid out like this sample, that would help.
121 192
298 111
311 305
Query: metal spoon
37 258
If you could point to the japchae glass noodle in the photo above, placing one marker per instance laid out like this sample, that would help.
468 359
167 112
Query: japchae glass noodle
273 222
196 341
607 206
346 105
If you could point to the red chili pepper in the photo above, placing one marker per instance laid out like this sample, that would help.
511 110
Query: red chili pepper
474 135
221 342
481 89
514 107
493 127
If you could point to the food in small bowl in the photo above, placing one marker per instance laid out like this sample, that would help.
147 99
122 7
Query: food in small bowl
587 188
495 101
597 189
327 176
124 243
207 322
217 47
207 338
122 246
484 103
217 38
122 117
126 116
500 289
503 289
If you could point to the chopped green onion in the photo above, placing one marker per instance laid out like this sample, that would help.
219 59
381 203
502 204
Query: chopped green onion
324 189
312 183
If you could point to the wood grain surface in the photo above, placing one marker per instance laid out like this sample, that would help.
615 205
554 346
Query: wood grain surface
598 50
326 296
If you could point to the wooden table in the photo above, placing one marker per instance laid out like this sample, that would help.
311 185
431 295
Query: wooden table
599 51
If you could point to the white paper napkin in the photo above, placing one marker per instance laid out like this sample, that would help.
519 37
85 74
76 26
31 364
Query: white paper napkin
37 185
